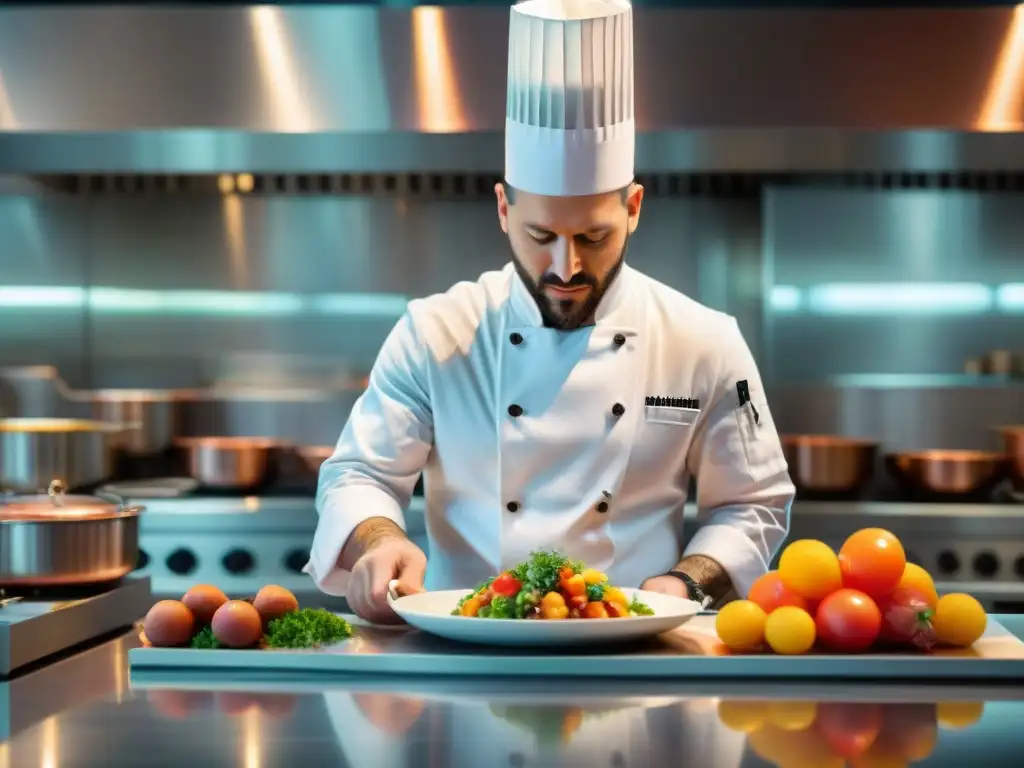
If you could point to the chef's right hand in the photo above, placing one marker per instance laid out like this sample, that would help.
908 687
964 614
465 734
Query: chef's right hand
388 559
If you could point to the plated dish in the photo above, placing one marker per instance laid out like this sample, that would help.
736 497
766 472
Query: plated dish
551 590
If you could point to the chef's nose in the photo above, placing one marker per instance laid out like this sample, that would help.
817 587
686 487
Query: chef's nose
565 261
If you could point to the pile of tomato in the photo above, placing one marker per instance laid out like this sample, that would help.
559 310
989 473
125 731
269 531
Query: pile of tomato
864 597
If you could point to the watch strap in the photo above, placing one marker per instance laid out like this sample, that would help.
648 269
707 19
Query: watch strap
693 589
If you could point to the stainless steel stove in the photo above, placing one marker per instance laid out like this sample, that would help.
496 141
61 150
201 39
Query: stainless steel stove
241 544
38 624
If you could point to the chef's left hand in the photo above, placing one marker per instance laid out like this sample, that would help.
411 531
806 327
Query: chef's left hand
666 585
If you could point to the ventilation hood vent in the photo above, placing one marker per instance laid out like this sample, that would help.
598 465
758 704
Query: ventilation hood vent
357 89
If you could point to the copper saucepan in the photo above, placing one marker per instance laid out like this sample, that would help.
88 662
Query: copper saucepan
1013 444
229 462
828 463
949 473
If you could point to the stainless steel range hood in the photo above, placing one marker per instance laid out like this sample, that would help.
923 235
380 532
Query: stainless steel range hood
359 89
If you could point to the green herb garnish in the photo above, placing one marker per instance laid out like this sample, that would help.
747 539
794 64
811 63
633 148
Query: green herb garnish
638 608
307 628
204 639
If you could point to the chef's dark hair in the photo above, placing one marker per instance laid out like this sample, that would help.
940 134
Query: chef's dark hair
510 192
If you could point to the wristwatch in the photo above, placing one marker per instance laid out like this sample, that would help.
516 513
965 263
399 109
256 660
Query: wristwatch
693 589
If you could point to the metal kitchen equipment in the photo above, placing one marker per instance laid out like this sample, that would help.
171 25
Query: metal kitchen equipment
54 539
1013 444
828 463
313 456
229 462
155 416
46 622
34 452
949 473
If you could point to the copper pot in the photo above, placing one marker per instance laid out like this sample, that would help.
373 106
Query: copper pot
53 539
1013 444
949 473
229 462
829 464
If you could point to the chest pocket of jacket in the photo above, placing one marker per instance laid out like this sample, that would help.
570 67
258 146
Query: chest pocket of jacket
760 439
678 417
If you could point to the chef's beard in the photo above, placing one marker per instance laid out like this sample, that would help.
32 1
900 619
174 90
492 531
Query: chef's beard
565 315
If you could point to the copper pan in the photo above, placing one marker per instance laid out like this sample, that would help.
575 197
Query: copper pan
949 473
229 462
828 463
1013 445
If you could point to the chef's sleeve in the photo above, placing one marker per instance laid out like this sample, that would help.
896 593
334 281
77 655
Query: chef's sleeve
379 456
744 492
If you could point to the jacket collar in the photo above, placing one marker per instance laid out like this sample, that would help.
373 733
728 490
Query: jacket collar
614 310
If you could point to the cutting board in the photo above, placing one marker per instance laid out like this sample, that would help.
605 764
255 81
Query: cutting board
691 652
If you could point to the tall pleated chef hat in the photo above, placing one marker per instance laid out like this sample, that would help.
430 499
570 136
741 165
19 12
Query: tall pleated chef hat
569 113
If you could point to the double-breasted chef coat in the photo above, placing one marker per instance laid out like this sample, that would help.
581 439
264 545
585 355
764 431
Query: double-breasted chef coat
581 441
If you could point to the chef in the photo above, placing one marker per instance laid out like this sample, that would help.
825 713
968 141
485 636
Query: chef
563 402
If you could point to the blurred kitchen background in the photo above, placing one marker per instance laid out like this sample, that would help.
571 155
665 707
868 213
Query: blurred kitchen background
219 213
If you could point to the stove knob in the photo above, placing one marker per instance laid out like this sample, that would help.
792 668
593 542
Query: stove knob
143 560
181 562
238 561
296 560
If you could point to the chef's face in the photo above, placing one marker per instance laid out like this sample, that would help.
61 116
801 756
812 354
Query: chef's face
568 250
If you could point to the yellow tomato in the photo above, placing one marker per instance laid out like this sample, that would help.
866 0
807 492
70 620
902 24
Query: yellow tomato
552 606
790 631
959 714
592 576
917 578
792 715
740 625
470 607
742 716
811 569
959 620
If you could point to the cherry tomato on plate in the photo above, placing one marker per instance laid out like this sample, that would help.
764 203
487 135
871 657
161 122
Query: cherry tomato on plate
506 585
872 561
848 621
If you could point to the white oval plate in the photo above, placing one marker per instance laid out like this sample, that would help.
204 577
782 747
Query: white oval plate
431 612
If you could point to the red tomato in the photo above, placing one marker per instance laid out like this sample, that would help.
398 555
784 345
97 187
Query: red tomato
849 729
907 619
769 593
848 621
872 561
506 585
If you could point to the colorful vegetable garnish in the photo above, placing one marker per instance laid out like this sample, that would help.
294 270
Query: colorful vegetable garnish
549 586
307 628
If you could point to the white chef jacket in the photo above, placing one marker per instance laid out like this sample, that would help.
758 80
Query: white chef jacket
581 441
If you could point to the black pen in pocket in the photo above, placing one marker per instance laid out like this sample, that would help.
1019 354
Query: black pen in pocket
743 391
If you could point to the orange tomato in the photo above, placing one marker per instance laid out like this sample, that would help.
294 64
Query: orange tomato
811 569
574 586
595 611
470 607
919 580
872 561
770 593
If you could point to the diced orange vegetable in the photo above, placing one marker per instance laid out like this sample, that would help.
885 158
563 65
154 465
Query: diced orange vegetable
592 576
579 601
595 611
575 586
471 607
565 574
615 609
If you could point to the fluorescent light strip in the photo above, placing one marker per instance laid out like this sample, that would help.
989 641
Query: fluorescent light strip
1010 297
202 303
863 299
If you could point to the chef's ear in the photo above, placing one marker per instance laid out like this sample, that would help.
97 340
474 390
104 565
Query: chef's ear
634 198
502 194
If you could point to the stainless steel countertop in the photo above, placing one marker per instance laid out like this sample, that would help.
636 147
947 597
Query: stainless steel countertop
85 710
